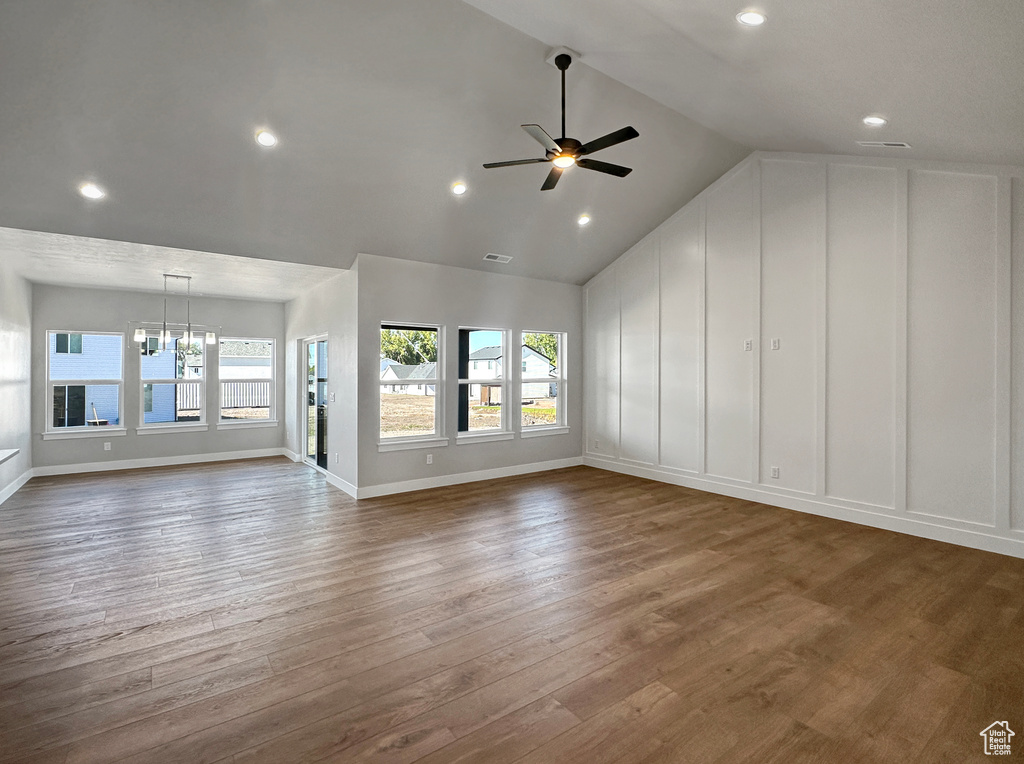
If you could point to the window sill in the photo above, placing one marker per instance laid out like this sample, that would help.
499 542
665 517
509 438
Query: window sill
464 439
169 429
406 445
91 432
247 425
537 432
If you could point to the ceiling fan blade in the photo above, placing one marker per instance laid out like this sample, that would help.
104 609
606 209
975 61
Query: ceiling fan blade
515 162
552 179
611 169
619 136
540 135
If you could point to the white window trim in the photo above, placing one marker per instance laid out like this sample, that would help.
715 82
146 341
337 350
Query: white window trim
403 442
540 430
408 444
169 428
482 436
271 420
250 424
537 430
92 432
66 433
505 429
165 427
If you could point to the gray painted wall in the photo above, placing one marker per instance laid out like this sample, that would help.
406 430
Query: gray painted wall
110 311
15 378
329 309
403 291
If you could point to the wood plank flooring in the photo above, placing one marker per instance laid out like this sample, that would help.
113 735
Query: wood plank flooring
247 612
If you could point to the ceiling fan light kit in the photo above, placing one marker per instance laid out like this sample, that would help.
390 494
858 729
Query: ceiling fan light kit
566 152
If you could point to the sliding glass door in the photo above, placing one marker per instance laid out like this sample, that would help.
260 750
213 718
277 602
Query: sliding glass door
315 358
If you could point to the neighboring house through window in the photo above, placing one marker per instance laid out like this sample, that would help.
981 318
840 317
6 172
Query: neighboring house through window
543 380
482 383
173 382
410 374
246 380
84 379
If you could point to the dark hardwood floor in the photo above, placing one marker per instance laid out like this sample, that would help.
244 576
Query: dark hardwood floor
248 612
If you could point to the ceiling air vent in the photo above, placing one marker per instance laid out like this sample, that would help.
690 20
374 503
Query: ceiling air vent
883 144
493 258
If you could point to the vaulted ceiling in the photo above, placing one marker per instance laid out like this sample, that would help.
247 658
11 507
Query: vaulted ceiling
380 106
946 73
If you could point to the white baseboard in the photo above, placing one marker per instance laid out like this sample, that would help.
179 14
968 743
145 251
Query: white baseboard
974 538
386 489
291 455
342 485
11 488
157 461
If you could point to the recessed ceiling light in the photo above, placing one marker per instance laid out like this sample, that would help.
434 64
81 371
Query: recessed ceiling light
583 219
564 161
266 138
458 188
91 191
751 18
875 121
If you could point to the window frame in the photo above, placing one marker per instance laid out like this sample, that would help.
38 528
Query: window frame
560 425
155 428
85 431
504 432
437 437
271 421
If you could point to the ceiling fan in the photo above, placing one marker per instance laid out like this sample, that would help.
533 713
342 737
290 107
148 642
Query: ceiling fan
566 152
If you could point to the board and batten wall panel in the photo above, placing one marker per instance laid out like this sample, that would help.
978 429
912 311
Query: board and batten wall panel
1017 386
602 338
792 233
682 304
638 300
861 348
951 266
730 320
896 398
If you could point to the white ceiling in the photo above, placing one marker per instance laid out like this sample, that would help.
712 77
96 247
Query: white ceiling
49 258
379 107
947 73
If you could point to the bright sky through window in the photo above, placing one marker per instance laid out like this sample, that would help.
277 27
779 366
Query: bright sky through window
483 339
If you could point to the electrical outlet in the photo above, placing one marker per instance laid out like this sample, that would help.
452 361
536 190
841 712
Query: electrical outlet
332 397
106 445
775 343
775 472
430 458
597 443
748 344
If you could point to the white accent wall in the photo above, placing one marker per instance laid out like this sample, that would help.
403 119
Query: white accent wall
882 303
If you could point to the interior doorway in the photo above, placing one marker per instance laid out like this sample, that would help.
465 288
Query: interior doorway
314 355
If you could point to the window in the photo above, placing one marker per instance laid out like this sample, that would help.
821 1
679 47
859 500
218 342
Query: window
482 388
69 343
246 380
83 381
410 361
173 383
543 381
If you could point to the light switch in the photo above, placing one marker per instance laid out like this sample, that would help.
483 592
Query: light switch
748 344
775 343
332 397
